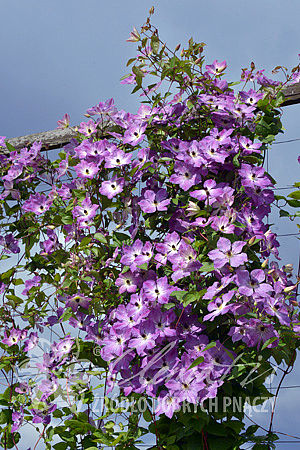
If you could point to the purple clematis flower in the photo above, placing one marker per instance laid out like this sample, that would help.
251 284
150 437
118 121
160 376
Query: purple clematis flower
157 291
129 316
209 193
252 284
248 146
144 337
275 306
64 122
51 244
228 253
35 281
117 158
86 211
216 68
155 201
219 306
86 170
185 176
10 243
130 253
184 262
43 416
22 388
48 387
63 347
254 176
167 248
260 332
88 128
112 187
186 386
251 97
168 404
127 282
134 133
17 419
163 321
78 300
14 337
31 342
114 343
103 108
37 204
222 224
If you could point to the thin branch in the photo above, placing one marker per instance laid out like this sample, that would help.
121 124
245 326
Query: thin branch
285 373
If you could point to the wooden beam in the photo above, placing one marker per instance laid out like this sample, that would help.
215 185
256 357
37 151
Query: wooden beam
58 138
50 139
292 94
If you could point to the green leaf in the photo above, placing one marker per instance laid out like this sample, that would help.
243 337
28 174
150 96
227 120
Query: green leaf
5 416
221 443
294 203
121 236
197 361
10 147
155 44
236 161
130 61
179 294
192 297
251 430
61 446
210 345
66 219
295 195
17 281
269 341
207 267
85 241
283 213
147 415
138 75
100 237
235 425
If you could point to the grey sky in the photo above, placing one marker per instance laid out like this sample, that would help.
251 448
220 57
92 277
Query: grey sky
63 56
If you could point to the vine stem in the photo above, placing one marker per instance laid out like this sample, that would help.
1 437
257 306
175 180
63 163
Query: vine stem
276 432
40 437
14 442
285 373
156 430
179 318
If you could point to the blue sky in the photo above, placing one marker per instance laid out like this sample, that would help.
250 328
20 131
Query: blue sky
65 56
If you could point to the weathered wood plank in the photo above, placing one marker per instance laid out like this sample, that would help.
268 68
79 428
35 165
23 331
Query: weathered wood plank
292 95
58 138
50 139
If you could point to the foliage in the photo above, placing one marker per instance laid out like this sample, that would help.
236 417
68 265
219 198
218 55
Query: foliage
141 255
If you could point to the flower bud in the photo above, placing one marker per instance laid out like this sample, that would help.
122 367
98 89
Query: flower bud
252 240
289 289
192 209
288 268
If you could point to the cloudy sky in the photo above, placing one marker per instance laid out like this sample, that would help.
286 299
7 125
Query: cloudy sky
63 56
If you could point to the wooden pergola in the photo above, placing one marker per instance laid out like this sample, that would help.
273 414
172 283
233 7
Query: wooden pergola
59 137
